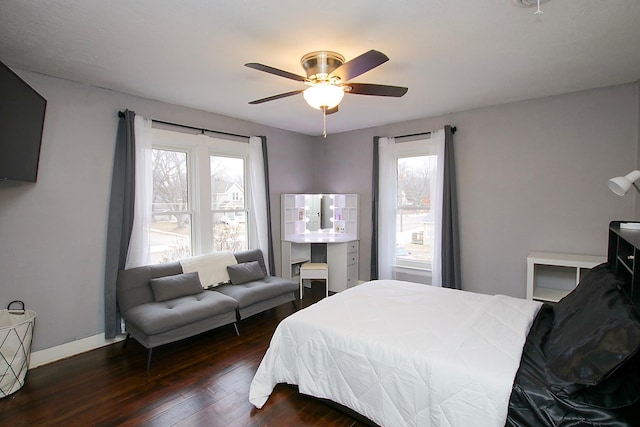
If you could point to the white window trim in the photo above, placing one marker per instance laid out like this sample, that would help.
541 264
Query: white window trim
199 148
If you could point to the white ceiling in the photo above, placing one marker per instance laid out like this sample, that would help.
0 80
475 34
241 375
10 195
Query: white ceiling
453 55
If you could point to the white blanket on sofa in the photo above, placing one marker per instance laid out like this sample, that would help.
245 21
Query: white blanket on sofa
211 268
402 353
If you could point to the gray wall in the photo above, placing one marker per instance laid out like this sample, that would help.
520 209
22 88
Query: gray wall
532 176
52 243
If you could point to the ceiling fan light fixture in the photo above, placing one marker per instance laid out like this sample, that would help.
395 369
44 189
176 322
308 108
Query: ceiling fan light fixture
318 65
323 96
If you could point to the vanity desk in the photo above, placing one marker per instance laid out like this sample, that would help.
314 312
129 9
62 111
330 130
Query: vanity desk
321 228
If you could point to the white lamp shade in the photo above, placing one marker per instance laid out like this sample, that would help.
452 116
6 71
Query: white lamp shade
323 95
621 184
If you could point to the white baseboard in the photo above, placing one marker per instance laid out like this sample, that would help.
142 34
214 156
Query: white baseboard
52 354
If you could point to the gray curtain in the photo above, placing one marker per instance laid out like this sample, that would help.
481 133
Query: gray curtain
374 211
120 219
265 159
450 236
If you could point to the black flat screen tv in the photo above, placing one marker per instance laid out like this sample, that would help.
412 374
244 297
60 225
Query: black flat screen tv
22 112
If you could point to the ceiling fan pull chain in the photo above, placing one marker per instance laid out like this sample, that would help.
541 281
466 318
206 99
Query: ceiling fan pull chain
324 122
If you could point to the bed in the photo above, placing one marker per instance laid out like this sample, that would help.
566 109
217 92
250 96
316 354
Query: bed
401 353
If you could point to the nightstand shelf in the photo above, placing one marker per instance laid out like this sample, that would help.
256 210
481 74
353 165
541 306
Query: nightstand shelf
551 276
623 253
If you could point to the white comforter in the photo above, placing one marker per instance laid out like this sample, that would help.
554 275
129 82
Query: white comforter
402 353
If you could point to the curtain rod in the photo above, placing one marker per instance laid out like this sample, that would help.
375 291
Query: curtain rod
203 130
453 130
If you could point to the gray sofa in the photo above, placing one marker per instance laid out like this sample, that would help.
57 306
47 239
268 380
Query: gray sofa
257 296
155 314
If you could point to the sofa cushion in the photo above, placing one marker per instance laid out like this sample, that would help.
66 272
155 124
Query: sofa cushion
212 267
252 255
178 285
158 317
258 291
245 272
132 285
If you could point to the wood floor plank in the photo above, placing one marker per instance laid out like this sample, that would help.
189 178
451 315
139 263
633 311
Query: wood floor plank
203 380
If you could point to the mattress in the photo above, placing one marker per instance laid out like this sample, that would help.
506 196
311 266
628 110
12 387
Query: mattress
402 353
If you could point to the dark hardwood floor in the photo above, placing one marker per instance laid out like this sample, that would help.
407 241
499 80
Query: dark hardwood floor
201 381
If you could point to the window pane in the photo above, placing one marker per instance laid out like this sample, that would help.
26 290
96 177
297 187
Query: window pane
228 204
414 223
227 183
171 218
230 231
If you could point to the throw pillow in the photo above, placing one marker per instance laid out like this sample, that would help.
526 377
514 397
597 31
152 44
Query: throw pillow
245 272
596 331
179 285
575 300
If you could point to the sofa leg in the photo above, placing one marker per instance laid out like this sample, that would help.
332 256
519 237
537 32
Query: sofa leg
149 359
295 306
235 325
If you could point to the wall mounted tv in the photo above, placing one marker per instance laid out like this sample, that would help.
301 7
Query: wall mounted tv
21 121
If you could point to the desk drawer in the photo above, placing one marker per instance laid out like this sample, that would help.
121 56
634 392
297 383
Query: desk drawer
343 260
352 258
352 275
352 253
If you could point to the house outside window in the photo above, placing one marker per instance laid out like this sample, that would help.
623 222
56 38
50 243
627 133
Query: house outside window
228 209
198 203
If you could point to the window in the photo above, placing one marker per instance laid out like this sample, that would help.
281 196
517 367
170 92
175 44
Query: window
414 219
171 211
410 200
198 202
227 205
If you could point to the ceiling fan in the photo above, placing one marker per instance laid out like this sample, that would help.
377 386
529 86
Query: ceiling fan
328 78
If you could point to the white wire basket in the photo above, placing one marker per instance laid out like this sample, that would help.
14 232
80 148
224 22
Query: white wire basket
16 335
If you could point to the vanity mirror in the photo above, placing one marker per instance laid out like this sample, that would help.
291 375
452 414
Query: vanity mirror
318 212
318 215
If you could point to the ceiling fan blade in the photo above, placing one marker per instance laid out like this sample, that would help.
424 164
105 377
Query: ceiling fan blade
377 90
276 71
274 97
359 65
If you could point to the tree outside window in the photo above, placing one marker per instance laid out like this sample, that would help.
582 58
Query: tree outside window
413 214
170 234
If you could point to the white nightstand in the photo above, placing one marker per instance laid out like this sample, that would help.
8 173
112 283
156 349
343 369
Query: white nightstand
565 264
